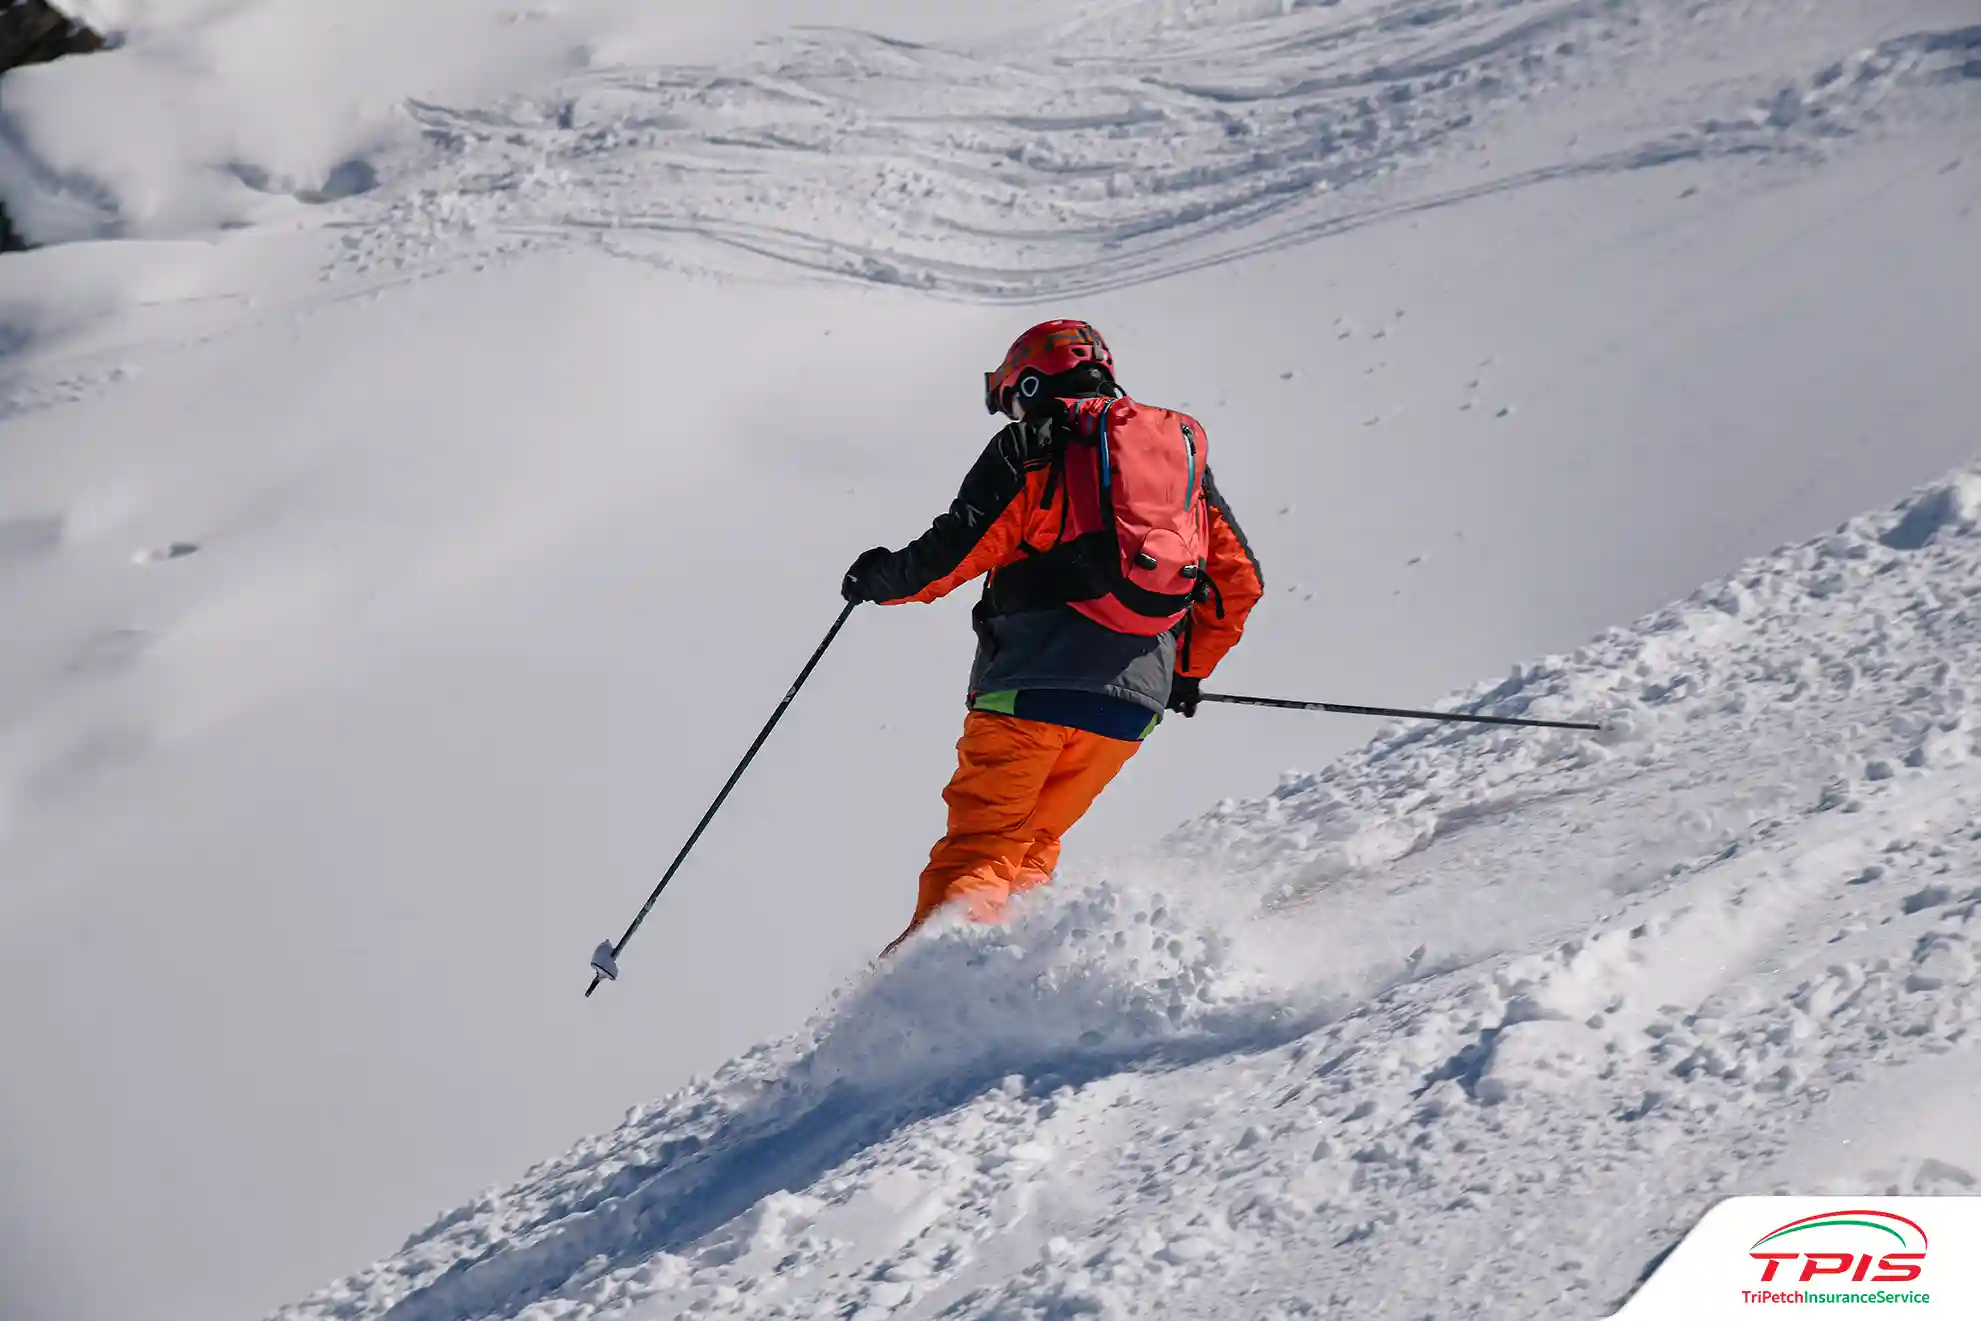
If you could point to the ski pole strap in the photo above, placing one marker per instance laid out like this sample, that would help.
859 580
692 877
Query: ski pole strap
1396 713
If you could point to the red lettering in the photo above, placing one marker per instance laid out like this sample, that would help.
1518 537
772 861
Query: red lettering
1774 1260
1863 1265
1898 1267
1812 1264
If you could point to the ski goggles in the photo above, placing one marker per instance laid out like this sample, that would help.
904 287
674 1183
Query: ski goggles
997 391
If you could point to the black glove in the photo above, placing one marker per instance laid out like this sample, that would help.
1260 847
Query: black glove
1184 694
853 587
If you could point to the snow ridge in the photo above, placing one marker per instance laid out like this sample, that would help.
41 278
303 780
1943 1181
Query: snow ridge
1114 150
1084 164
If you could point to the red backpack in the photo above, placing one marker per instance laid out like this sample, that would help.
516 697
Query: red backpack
1134 533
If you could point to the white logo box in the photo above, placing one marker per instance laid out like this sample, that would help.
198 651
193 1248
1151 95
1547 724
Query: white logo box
1828 1257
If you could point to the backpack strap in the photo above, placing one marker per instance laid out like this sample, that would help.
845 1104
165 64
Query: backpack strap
1207 589
1055 479
1065 571
1056 475
1056 472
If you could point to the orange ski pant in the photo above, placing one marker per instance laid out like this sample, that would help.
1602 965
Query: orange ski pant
1019 785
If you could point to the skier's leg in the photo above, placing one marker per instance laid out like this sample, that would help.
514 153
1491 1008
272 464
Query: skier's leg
1085 766
1041 861
1002 763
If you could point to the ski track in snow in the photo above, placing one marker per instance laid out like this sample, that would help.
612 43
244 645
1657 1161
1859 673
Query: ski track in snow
1764 894
1108 154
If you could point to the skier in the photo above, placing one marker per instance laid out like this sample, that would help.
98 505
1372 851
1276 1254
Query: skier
1117 580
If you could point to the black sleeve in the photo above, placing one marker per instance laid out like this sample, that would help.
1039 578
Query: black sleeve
994 481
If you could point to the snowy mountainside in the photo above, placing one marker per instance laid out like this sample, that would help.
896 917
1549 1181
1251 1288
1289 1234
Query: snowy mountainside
1126 143
1581 984
392 363
1111 152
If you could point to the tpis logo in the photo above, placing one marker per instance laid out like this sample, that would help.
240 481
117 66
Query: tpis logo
1836 1254
1861 1247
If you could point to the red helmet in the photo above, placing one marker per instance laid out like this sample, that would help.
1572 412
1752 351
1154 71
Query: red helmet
1049 348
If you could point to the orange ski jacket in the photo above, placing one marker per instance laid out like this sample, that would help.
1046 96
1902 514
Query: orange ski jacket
996 520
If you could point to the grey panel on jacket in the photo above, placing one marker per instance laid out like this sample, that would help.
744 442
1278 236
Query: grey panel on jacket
1062 648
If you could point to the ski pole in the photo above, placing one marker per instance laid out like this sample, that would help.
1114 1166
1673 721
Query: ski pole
605 959
1339 709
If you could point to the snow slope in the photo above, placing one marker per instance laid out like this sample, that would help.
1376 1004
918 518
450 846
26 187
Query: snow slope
1553 991
1102 155
379 613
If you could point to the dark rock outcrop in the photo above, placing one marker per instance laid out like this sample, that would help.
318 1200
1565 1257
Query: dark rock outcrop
34 32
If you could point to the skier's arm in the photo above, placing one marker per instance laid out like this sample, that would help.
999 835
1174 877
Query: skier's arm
980 531
1234 571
